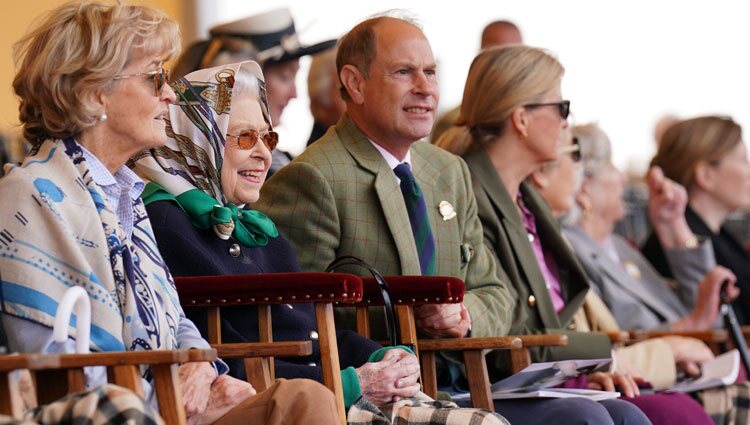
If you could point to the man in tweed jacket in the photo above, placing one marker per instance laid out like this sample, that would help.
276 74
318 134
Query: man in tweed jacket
341 196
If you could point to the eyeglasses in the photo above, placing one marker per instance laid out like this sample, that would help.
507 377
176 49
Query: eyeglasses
159 76
573 149
563 106
249 138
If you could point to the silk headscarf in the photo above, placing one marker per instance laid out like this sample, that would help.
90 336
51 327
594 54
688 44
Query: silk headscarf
187 169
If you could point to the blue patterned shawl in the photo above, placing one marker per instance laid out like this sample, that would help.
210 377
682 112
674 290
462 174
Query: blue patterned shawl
57 231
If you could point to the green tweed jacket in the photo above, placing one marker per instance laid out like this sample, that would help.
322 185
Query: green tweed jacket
505 234
341 198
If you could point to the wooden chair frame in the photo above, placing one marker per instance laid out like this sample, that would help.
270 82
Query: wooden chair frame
263 291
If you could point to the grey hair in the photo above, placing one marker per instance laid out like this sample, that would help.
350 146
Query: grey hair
244 82
596 149
596 154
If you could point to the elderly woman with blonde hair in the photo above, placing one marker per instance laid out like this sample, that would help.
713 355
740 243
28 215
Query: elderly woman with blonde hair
94 92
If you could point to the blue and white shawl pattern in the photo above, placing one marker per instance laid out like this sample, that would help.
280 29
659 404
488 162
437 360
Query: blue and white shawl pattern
57 231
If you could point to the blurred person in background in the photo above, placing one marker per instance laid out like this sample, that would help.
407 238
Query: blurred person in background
269 38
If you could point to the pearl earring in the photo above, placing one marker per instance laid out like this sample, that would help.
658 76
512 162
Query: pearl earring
102 117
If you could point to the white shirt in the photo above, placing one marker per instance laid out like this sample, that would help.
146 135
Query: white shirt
392 161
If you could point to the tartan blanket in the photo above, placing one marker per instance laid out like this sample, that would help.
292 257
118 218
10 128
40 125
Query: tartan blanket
107 404
420 410
729 405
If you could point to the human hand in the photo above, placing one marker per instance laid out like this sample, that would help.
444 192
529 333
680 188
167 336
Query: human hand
226 393
390 379
689 353
195 382
666 209
708 299
443 320
607 381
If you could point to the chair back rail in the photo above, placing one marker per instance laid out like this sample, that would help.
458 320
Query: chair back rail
265 290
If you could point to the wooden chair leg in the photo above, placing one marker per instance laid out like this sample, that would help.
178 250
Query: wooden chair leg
519 359
479 383
168 394
265 332
76 380
363 322
407 325
214 325
429 374
128 376
258 373
329 354
10 398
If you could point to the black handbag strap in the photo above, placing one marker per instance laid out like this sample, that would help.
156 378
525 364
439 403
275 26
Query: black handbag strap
733 327
391 320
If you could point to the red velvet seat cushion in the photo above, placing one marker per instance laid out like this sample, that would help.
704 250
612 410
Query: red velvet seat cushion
415 290
269 288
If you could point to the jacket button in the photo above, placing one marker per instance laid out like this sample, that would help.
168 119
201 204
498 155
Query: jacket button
312 364
313 335
234 250
532 301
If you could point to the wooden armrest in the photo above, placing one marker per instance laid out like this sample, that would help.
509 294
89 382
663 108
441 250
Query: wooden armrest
618 336
415 290
710 336
268 288
462 344
264 349
115 358
546 340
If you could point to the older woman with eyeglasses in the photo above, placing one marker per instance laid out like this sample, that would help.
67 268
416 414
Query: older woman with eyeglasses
93 93
636 294
202 186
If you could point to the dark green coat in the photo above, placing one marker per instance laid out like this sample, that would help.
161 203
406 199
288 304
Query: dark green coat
506 236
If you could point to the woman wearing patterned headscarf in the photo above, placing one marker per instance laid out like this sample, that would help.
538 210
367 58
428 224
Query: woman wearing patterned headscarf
201 186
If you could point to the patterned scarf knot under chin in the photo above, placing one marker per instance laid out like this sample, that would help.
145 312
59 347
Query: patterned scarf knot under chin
249 227
187 170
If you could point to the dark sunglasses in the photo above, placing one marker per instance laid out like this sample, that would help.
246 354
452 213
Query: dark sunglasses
159 77
573 149
563 107
249 138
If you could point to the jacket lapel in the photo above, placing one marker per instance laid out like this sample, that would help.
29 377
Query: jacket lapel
510 220
573 281
617 275
387 190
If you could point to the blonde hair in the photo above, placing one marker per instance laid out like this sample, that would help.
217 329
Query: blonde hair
501 79
76 50
686 143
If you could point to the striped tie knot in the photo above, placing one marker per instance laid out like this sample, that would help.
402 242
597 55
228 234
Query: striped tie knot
403 172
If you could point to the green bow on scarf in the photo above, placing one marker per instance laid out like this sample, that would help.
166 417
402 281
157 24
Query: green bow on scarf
249 227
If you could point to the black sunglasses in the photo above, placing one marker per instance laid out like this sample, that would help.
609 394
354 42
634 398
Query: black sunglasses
249 138
563 107
159 76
